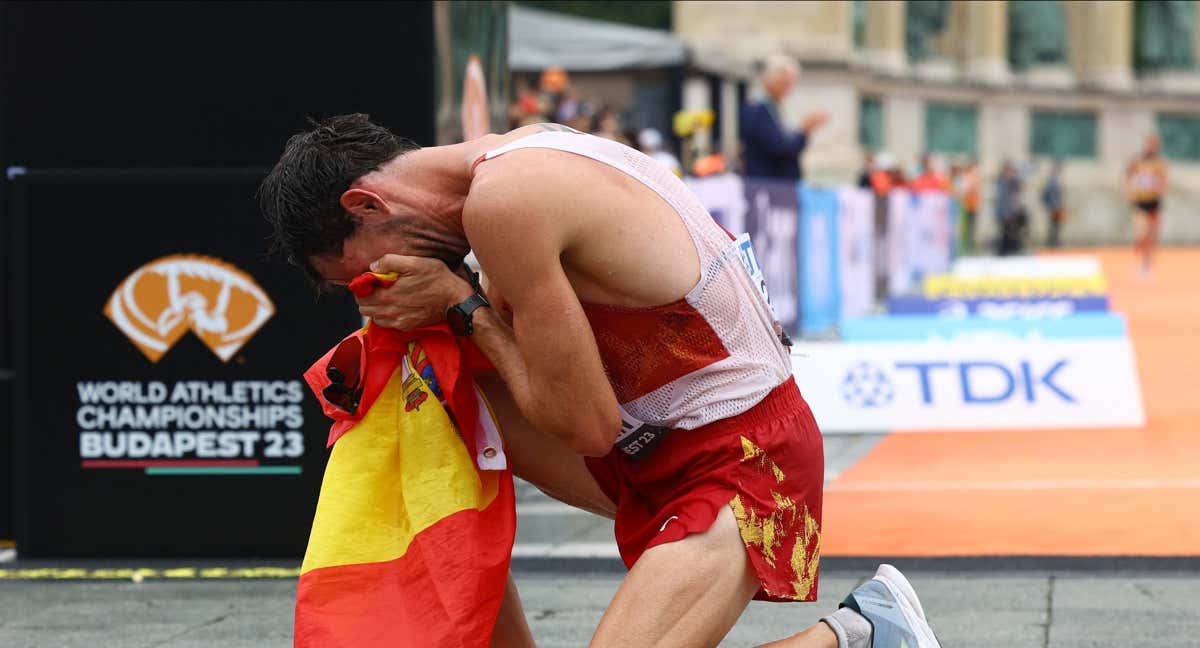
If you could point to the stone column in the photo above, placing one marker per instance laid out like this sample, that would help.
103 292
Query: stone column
1108 53
985 47
904 128
883 42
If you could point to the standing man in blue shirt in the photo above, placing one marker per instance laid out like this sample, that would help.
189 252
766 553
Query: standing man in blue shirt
772 148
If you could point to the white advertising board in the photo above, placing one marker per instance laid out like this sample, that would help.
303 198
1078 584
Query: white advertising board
1028 266
967 385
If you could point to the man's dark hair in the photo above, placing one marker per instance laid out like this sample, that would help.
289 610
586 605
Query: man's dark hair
301 196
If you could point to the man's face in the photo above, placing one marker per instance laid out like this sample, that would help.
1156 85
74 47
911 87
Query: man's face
779 83
359 251
1152 146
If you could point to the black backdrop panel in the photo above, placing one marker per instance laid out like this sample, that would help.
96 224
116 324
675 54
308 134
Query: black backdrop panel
136 84
123 456
7 532
113 85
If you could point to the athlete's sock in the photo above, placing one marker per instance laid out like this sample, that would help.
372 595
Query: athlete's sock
852 629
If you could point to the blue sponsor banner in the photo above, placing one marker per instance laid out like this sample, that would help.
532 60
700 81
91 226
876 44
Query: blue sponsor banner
1039 307
899 328
818 254
771 220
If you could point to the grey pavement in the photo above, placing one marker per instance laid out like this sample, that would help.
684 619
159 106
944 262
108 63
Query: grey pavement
567 574
984 609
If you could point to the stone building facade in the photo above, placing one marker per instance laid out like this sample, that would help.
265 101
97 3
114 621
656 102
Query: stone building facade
1083 82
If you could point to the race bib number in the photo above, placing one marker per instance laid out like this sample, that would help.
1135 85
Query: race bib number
637 437
744 251
745 254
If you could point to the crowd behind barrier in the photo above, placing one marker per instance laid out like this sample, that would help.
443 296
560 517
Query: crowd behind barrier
829 254
896 333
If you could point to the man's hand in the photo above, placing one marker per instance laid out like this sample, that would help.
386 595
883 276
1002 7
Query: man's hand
814 120
422 294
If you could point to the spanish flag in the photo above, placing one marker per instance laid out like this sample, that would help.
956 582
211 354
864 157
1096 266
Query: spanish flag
414 529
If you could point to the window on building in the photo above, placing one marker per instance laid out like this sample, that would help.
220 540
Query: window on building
923 21
1180 136
1162 35
858 14
950 128
1060 134
870 123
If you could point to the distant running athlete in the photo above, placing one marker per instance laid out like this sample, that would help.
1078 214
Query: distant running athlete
1146 185
640 373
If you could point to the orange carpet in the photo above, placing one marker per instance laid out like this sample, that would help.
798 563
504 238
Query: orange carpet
1099 492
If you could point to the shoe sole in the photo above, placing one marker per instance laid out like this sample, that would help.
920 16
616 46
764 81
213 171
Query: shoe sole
910 605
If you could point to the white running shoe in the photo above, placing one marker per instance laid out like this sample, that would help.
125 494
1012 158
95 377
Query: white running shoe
890 604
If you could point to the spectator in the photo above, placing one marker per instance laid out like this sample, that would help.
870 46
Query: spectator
651 143
1052 198
527 108
966 187
928 178
864 178
771 148
1010 216
887 174
575 111
608 126
553 86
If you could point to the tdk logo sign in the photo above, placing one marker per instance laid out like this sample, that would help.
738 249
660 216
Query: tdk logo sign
979 382
866 386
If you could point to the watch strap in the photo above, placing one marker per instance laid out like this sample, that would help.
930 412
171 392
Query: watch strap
466 310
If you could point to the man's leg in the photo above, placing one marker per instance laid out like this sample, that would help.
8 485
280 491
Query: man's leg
511 631
689 593
685 593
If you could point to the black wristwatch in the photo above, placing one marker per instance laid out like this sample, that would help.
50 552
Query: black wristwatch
461 316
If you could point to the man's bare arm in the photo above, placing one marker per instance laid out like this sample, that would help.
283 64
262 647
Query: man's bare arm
548 358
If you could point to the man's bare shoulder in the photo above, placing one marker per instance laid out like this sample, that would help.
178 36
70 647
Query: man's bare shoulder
524 183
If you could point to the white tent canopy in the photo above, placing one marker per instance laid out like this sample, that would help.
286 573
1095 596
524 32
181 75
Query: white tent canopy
540 39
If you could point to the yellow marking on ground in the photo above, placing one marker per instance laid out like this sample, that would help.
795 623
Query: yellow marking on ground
132 573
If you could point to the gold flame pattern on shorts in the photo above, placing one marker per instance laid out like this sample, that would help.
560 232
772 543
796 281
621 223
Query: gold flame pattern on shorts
769 531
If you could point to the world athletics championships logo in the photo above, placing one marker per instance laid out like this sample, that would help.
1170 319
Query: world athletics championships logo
160 301
866 386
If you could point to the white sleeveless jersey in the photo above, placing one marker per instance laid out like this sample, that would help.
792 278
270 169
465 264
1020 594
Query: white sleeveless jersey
712 354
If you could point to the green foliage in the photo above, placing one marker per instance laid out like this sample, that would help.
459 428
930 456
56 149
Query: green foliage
655 14
1059 134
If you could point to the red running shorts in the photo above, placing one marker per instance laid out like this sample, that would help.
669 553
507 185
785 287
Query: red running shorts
767 464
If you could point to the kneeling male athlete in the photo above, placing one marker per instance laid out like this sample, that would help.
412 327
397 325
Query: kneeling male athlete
639 370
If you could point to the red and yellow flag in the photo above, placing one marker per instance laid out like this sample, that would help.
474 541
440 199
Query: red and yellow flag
412 539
